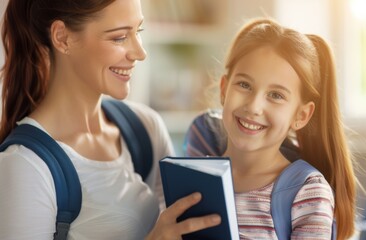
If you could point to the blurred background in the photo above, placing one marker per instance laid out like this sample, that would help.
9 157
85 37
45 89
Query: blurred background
186 41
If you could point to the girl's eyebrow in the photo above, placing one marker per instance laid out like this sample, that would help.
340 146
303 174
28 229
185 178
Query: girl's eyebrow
250 78
281 87
122 28
244 75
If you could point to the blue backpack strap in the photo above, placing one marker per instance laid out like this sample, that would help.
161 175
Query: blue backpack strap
134 134
66 180
283 195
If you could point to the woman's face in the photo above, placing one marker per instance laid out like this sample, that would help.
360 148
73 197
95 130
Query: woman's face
261 101
104 54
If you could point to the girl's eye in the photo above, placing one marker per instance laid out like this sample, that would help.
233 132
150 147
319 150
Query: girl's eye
244 85
276 96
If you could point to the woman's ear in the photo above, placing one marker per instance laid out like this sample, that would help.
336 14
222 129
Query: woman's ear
59 36
303 116
223 86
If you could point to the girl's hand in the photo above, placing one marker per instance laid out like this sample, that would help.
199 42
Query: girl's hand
167 227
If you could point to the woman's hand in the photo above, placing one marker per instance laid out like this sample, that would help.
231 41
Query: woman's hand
167 227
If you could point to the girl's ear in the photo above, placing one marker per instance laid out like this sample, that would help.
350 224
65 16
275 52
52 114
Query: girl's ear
59 36
303 116
223 86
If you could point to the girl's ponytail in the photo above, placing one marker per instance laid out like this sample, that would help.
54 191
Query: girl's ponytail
25 71
324 144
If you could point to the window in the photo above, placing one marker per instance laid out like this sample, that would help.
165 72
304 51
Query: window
354 76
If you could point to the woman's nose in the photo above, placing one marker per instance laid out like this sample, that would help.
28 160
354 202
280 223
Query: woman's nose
136 51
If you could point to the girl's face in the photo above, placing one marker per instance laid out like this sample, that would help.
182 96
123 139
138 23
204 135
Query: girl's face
261 101
104 54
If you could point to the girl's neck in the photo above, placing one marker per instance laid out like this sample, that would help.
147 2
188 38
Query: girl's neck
255 161
255 169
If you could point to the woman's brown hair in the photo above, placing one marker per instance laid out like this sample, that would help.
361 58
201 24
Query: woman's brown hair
29 51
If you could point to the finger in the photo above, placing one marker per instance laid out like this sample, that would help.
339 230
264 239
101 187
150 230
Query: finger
181 205
198 223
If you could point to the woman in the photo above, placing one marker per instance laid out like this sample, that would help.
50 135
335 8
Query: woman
61 57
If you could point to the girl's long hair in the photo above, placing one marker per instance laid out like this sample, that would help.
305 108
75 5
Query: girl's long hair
29 52
322 141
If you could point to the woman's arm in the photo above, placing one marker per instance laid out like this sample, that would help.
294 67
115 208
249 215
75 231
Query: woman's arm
167 228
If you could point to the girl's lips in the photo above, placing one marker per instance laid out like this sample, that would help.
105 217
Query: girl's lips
250 125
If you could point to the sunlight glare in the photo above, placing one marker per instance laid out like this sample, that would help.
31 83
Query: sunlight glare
358 8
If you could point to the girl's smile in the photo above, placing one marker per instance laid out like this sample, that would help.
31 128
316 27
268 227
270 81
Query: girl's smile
249 127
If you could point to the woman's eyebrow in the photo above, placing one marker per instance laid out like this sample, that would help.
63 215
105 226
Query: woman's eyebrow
122 28
118 28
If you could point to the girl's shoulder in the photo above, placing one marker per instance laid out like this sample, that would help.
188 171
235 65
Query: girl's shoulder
316 186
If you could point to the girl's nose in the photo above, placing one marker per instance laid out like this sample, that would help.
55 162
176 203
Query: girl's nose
254 105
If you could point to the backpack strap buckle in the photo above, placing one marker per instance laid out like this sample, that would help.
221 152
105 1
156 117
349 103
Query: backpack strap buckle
62 229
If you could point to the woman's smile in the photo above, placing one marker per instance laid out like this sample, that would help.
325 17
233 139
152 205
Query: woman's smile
122 73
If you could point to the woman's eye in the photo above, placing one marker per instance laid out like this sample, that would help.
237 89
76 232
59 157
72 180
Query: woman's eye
139 31
244 85
276 96
120 39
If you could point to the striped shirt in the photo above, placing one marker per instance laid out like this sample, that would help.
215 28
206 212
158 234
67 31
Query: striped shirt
312 212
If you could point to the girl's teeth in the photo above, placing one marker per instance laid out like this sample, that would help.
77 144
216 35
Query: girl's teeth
250 126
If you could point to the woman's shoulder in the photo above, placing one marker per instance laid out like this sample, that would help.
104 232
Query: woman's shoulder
20 157
20 165
154 125
144 112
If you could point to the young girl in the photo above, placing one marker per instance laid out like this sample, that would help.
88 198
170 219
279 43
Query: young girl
61 57
280 83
